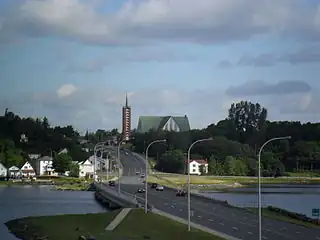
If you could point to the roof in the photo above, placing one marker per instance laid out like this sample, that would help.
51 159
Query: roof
14 168
200 161
146 123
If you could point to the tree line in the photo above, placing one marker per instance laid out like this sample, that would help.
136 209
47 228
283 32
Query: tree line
39 138
235 144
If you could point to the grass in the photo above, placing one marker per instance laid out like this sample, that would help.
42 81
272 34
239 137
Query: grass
136 225
73 187
179 180
282 217
304 174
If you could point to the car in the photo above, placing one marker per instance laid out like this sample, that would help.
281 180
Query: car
141 190
154 185
112 183
137 173
159 188
180 193
142 175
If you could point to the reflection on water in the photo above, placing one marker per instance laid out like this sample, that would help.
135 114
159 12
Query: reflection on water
301 199
23 201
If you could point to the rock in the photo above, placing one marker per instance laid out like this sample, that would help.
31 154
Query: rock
82 238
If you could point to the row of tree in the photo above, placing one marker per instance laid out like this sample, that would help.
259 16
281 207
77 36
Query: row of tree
20 137
236 142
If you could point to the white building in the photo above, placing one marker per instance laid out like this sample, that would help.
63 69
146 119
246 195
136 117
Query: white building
43 166
27 170
195 166
86 169
14 172
3 171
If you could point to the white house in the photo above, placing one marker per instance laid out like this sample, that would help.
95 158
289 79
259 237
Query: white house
3 171
43 166
14 172
86 169
27 170
195 165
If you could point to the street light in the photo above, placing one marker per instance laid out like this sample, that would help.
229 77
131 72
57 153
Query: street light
259 178
119 145
146 174
99 144
189 180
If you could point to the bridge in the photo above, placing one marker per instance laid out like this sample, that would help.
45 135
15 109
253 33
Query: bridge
231 221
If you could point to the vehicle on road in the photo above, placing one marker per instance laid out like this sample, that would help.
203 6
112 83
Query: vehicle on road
112 183
142 175
181 193
137 173
154 185
141 190
159 188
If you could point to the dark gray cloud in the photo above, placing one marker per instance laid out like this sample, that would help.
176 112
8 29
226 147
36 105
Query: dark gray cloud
255 88
263 60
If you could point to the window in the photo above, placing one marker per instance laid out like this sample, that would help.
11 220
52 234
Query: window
25 167
194 170
194 165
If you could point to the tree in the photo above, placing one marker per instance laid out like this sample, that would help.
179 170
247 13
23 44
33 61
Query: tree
202 169
62 163
45 123
171 161
74 170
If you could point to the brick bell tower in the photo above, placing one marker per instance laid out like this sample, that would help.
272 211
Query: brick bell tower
126 121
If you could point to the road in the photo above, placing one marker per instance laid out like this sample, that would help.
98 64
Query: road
231 221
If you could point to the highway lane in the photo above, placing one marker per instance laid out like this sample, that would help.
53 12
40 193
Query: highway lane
232 221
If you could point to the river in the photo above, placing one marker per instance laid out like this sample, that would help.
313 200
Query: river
295 198
23 201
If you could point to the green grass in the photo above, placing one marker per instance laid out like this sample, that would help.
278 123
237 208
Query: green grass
304 174
281 217
136 225
72 187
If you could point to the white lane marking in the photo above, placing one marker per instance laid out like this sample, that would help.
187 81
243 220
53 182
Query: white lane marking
210 220
173 206
250 233
297 232
221 224
199 217
181 210
234 228
242 223
264 237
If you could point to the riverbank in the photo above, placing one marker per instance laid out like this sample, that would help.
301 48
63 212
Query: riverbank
137 225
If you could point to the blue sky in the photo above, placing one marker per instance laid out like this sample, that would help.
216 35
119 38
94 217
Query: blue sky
73 61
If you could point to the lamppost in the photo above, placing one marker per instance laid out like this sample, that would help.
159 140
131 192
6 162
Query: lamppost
146 174
259 179
95 149
119 145
189 179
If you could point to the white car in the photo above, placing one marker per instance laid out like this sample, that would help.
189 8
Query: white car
159 188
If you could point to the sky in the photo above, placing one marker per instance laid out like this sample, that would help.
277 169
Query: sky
73 61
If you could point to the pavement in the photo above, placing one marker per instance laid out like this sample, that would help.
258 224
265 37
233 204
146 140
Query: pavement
235 222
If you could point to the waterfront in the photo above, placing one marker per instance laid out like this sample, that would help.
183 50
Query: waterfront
295 198
23 201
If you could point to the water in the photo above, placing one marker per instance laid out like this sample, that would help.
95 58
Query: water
295 198
23 201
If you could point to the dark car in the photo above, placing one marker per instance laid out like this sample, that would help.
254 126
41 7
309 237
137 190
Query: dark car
112 183
141 190
180 193
154 185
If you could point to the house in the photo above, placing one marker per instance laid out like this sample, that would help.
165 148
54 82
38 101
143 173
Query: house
86 169
43 166
14 172
23 138
3 170
167 123
27 170
34 156
195 166
63 151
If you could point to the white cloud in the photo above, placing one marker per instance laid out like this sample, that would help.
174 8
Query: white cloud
145 20
66 90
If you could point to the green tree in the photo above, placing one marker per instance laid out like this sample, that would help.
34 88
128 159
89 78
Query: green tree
74 170
171 161
62 163
202 169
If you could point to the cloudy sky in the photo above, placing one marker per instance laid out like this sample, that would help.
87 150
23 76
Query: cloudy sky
74 60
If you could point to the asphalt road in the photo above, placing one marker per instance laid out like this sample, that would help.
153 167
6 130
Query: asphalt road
232 221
